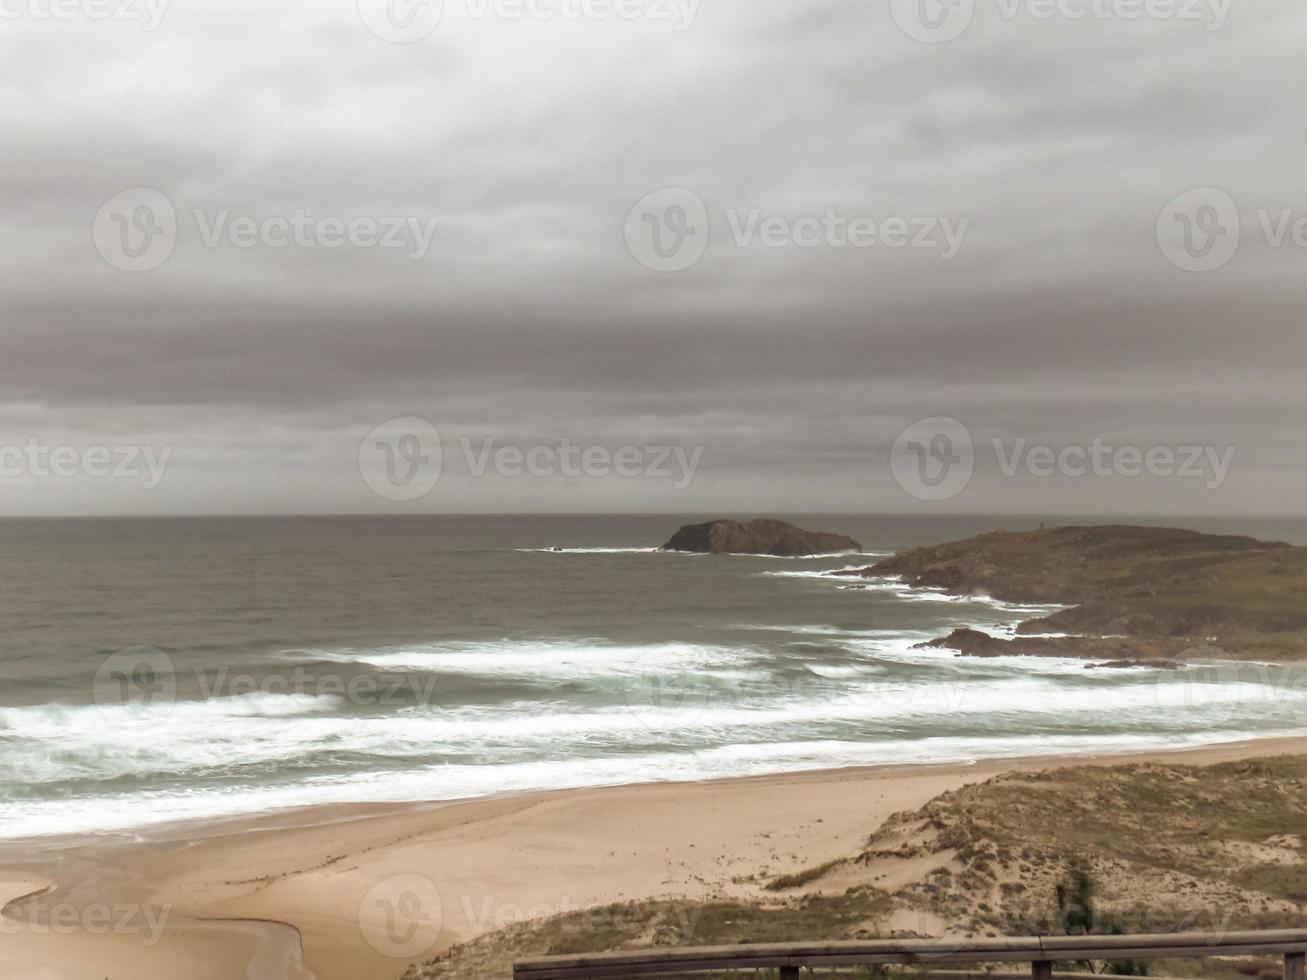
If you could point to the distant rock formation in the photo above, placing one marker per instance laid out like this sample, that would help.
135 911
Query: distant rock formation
1115 652
758 537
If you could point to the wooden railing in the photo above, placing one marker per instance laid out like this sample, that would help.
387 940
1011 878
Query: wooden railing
788 959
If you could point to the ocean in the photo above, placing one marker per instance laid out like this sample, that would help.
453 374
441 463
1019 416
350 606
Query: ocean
167 669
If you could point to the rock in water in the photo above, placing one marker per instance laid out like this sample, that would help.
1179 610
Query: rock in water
968 642
758 537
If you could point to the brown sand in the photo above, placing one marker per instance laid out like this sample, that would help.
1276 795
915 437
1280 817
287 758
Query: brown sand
356 893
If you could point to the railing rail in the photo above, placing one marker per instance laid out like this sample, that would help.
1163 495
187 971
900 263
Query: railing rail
1040 951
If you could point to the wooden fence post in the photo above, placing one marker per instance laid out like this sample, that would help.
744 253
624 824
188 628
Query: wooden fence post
1041 970
792 973
1293 966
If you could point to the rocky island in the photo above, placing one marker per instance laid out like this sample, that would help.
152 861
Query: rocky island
1133 594
763 536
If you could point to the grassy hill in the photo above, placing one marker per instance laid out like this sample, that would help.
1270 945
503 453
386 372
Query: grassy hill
1161 592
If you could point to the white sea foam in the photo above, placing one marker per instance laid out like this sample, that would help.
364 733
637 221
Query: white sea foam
542 658
836 631
893 584
62 720
818 573
692 710
55 743
593 551
838 671
129 811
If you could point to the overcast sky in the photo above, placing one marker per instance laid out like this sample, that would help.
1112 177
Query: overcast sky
1013 191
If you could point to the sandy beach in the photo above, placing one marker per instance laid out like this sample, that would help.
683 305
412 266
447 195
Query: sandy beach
348 893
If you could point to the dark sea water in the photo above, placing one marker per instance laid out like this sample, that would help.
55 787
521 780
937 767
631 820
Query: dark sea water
155 670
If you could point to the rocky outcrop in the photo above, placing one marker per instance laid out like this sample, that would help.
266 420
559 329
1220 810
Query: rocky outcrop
1133 594
969 642
1116 652
758 537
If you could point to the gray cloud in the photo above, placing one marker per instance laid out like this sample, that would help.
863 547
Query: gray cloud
529 321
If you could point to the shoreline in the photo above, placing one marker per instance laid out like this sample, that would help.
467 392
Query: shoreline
190 830
292 894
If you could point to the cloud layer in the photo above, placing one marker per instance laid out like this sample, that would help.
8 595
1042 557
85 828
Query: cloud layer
525 141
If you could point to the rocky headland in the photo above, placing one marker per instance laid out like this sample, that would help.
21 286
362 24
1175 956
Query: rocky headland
1134 595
